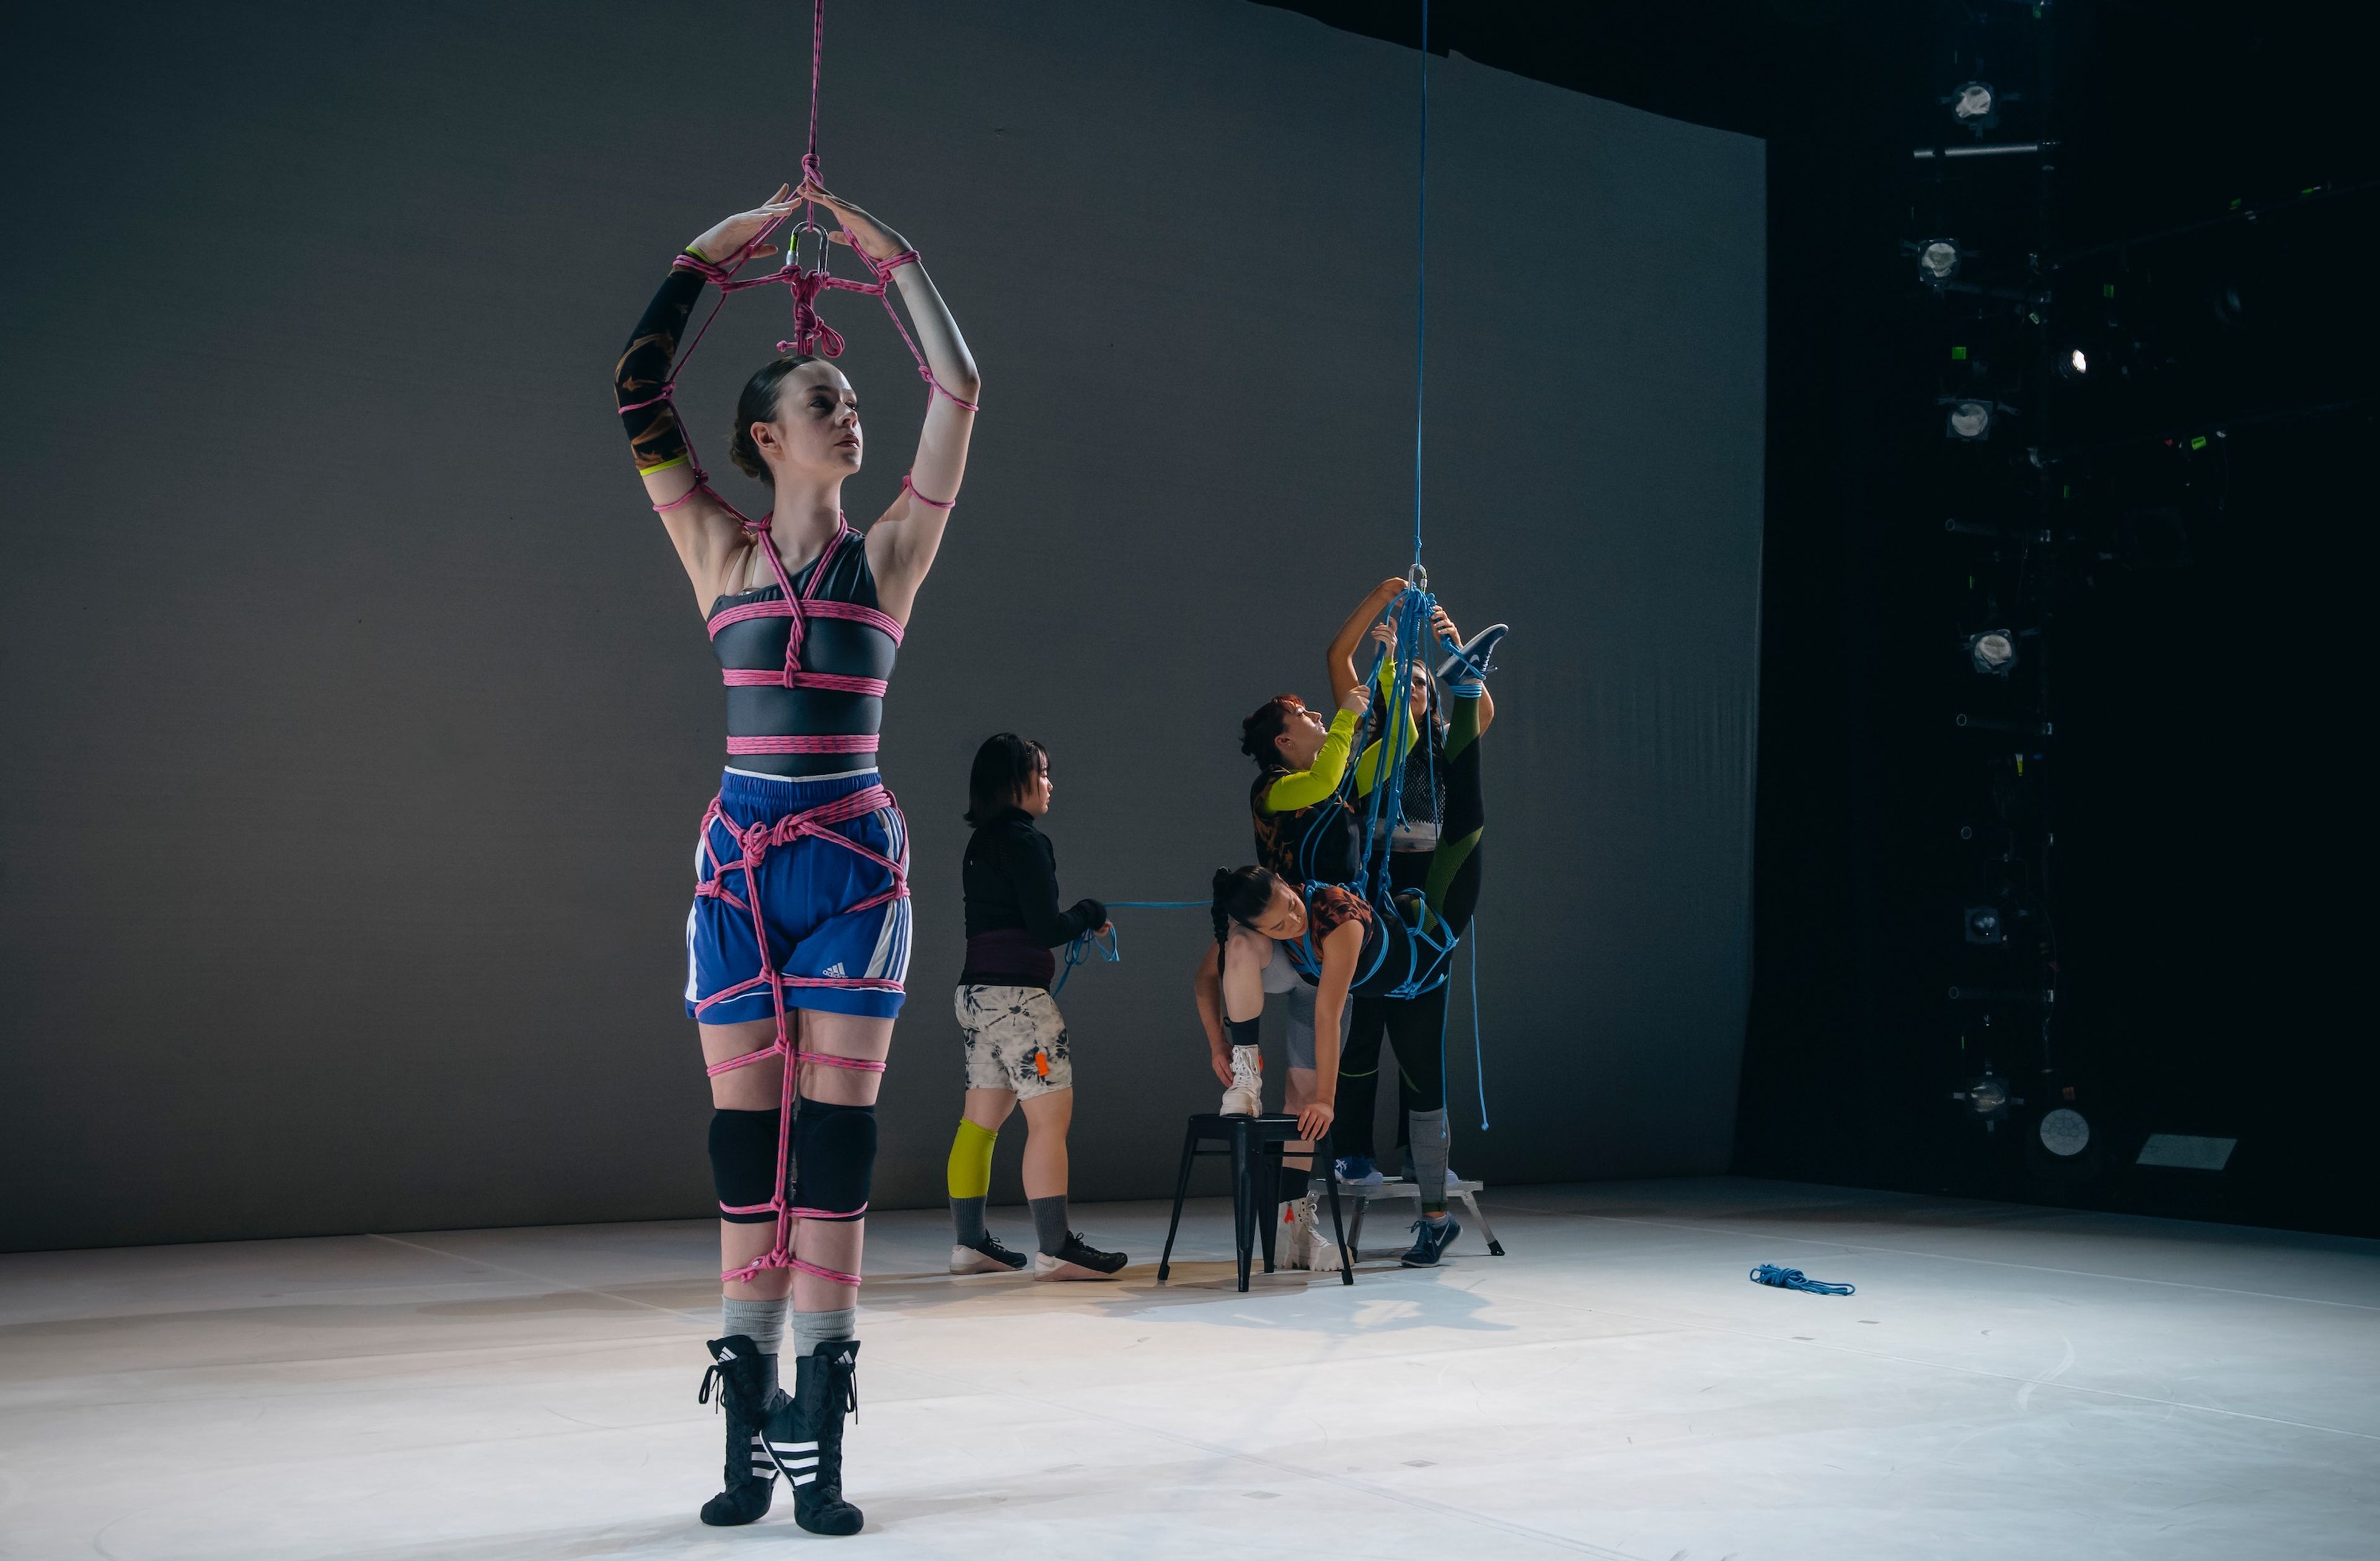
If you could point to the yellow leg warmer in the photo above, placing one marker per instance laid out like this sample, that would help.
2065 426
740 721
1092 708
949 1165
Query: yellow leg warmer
970 1169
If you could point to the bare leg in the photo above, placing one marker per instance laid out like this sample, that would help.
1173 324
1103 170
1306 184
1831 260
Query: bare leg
1046 1117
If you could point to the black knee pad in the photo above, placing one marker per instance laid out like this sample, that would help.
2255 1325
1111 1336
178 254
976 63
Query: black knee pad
744 1162
835 1159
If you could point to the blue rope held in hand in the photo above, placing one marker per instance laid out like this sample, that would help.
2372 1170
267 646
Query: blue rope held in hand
1794 1279
1087 945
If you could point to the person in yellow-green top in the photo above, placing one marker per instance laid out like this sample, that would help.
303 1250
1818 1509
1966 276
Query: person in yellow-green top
1307 829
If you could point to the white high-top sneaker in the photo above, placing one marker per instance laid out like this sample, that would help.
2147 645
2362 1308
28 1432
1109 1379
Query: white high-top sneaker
1299 1245
1245 1097
1322 1247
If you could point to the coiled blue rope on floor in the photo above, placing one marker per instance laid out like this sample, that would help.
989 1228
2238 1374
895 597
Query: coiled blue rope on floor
1794 1279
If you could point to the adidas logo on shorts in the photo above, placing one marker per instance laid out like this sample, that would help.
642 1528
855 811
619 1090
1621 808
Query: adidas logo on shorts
834 971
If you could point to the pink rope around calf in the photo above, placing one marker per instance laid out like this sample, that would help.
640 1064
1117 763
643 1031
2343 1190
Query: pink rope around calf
755 842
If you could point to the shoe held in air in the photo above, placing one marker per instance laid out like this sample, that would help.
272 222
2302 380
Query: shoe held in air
1476 657
1077 1258
989 1258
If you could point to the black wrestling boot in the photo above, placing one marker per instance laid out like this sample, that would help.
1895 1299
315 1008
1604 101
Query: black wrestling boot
804 1436
746 1383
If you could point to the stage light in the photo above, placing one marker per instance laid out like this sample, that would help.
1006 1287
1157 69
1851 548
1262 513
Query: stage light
1983 924
1969 420
1972 104
1993 652
1938 260
2065 1132
2076 365
1987 1099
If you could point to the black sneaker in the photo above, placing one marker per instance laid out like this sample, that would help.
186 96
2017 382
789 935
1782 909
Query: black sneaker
1431 1238
990 1256
1077 1259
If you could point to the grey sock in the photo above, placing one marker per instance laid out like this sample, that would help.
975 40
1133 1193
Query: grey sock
814 1328
1431 1142
762 1322
966 1221
1050 1222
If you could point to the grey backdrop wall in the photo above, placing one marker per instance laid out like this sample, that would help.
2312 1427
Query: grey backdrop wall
357 716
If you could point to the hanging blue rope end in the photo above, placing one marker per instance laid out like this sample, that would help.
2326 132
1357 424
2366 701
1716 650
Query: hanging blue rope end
1794 1279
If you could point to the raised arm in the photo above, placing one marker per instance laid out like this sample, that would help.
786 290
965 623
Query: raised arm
706 532
1384 683
902 545
1341 657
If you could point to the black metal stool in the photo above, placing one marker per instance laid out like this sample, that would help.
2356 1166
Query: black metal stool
1255 1145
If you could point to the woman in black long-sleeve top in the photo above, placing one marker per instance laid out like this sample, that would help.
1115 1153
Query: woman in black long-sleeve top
1016 1037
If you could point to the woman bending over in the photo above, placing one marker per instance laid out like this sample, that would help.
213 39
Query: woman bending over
1017 1049
1344 948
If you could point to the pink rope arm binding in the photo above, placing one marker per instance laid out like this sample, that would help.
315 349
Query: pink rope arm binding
811 334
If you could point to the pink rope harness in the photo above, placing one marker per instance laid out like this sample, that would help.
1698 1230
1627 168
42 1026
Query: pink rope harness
754 843
801 606
811 334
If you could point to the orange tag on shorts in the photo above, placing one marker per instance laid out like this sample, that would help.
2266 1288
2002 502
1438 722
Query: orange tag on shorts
1041 1064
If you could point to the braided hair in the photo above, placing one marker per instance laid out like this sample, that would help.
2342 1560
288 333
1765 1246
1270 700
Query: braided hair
1240 893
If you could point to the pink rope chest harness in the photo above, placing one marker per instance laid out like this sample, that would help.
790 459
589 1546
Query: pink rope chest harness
754 841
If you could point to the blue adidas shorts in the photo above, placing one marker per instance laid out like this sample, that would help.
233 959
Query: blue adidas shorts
804 887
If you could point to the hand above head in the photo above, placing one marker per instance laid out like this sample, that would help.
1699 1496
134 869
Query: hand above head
1314 1121
724 244
1384 634
869 237
1358 699
1443 627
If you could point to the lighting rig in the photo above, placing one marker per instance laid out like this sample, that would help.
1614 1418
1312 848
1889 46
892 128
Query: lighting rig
1980 221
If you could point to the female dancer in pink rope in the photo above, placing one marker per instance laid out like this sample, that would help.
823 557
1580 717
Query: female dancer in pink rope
799 938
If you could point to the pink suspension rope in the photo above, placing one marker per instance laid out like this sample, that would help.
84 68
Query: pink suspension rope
755 842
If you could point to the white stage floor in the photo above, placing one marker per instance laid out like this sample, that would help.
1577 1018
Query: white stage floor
2007 1382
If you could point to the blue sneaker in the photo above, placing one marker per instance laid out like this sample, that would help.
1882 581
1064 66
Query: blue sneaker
1475 658
1357 1170
1431 1238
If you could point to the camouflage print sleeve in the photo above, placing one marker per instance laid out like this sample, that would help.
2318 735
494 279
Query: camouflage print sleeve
642 379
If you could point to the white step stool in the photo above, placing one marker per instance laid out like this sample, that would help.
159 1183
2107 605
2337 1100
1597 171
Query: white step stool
1466 1191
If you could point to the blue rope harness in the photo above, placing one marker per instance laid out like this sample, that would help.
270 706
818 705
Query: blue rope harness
1794 1279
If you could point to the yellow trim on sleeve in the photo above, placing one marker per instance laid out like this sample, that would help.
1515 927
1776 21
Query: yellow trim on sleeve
674 460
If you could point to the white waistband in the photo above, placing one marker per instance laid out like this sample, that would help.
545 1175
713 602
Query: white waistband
839 774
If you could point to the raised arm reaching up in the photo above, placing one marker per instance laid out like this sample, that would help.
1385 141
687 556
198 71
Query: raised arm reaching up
902 545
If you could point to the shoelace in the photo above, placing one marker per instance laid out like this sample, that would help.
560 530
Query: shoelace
714 1376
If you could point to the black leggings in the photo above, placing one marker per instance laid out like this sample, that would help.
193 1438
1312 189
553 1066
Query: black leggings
1416 1028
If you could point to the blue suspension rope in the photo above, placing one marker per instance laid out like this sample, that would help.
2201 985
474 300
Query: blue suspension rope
1421 278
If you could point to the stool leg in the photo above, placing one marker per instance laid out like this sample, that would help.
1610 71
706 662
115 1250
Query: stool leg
1243 1199
1471 1202
1338 1229
1356 1235
1269 1169
1181 1190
